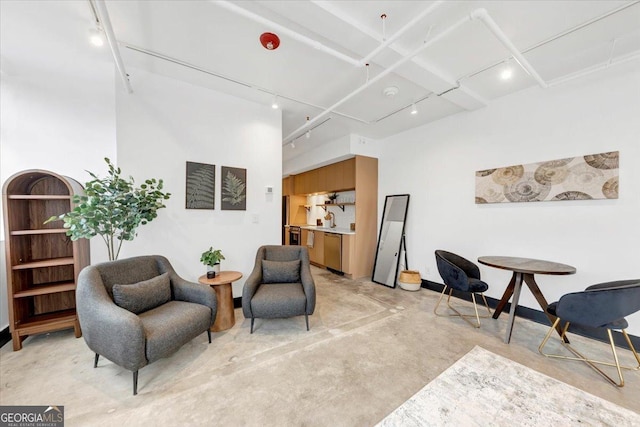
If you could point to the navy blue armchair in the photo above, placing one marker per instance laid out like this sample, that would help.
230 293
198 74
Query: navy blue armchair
601 306
464 276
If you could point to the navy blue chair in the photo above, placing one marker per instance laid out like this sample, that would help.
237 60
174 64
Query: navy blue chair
462 275
601 306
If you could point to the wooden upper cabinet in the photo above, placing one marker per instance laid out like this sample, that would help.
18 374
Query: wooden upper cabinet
287 186
339 176
322 181
313 181
300 183
307 182
334 177
349 174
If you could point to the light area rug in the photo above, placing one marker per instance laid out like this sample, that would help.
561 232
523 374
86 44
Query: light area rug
485 389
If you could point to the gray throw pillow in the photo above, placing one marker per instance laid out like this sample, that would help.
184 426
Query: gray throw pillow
143 296
280 271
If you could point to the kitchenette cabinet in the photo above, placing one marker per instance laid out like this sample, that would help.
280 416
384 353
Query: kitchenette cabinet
347 253
316 252
360 175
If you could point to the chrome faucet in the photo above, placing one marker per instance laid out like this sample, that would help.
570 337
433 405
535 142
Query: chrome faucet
332 219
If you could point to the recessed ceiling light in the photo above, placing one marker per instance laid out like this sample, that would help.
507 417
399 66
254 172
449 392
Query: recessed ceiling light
506 73
507 69
274 104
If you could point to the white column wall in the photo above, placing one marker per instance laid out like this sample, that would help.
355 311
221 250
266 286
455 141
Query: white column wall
166 123
57 99
436 165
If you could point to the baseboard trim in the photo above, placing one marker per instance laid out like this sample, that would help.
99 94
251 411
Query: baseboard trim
539 317
5 336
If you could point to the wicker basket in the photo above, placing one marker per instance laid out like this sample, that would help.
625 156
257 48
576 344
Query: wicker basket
409 280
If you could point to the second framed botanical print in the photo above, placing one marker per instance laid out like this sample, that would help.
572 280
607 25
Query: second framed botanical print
234 189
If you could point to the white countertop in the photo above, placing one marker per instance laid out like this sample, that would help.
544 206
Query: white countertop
336 230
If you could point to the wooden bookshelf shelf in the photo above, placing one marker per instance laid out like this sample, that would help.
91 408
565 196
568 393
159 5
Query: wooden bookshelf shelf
39 231
44 263
38 197
46 289
47 322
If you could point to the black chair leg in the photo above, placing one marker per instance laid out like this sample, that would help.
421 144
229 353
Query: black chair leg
95 361
306 317
209 335
252 319
135 383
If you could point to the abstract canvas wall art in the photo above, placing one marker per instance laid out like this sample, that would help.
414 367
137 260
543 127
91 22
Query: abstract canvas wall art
594 176
234 189
200 186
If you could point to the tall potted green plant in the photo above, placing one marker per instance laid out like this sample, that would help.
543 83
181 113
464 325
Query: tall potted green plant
113 208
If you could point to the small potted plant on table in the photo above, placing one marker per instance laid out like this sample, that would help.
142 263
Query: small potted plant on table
211 258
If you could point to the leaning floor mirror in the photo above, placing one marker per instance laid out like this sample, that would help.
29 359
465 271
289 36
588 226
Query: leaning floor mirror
394 216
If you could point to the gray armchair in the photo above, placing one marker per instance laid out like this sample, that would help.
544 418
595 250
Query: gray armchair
280 285
138 310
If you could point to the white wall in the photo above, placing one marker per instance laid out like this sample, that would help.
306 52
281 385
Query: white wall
57 98
166 123
299 159
436 164
58 113
342 218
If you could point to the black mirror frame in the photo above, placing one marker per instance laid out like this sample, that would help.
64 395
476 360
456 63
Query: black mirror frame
404 222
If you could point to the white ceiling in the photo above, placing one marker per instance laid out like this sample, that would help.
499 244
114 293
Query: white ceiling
464 64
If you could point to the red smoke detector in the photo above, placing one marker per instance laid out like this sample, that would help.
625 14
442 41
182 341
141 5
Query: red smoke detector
270 41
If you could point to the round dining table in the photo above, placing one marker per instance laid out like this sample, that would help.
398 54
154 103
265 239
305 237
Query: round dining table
523 270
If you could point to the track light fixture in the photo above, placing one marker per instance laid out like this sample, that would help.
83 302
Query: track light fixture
308 134
274 103
293 145
414 110
96 37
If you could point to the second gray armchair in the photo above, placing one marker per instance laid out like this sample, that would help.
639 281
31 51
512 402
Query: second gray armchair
280 285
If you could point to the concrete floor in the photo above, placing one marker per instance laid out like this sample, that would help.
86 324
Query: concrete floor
370 348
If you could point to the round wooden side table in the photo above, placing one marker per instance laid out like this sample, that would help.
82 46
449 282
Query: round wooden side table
225 318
